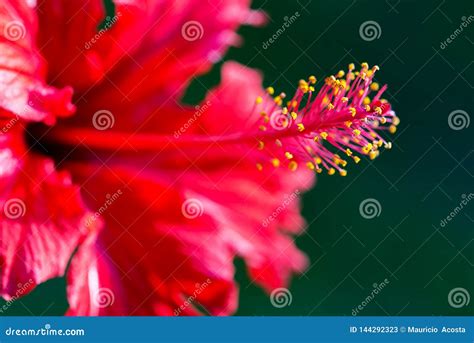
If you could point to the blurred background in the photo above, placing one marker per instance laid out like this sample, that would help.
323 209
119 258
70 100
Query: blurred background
418 264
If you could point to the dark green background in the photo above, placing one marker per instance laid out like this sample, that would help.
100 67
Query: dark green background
419 182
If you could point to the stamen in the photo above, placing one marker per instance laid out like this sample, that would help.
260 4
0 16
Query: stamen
343 116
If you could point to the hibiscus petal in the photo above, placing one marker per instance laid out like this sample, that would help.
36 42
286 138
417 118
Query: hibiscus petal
41 217
23 92
145 54
151 258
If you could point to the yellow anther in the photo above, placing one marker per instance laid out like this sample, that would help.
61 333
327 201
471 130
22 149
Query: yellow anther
388 145
343 172
284 110
270 90
340 73
351 66
373 154
263 113
343 163
259 166
324 135
331 171
311 88
352 111
348 152
383 120
288 155
316 139
378 110
294 115
367 108
356 159
344 99
395 121
293 165
374 86
348 123
312 79
356 132
364 65
261 145
266 119
259 100
300 127
318 160
380 143
392 129
366 101
276 162
278 100
262 128
310 165
375 68
373 134
319 170
330 106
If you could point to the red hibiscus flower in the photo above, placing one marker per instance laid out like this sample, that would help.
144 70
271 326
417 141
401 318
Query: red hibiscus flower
158 197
